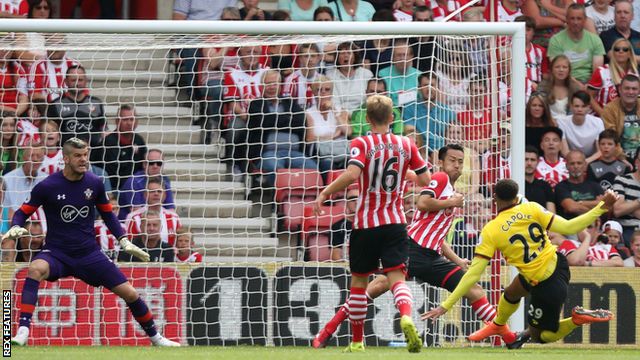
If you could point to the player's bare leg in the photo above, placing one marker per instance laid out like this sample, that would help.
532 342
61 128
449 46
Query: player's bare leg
403 299
38 271
141 313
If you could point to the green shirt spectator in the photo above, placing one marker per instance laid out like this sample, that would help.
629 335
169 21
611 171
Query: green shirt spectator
402 77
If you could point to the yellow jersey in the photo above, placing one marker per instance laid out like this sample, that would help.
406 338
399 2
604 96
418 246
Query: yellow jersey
520 233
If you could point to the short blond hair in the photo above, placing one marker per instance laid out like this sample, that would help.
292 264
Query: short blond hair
379 109
184 231
315 86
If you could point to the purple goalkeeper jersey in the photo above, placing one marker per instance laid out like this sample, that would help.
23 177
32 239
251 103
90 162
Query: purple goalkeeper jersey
69 207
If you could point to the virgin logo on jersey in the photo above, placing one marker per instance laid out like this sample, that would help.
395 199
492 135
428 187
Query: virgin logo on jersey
70 213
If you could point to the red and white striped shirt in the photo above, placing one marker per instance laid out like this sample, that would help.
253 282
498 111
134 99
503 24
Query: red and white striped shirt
28 131
47 78
15 7
13 84
193 257
39 216
597 251
537 63
402 15
52 163
477 125
384 160
298 87
495 167
430 228
500 13
170 222
108 243
602 81
243 86
439 12
552 173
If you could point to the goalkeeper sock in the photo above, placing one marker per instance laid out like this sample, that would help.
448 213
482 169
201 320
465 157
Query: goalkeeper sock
403 298
506 308
341 316
566 327
484 311
143 316
357 312
29 301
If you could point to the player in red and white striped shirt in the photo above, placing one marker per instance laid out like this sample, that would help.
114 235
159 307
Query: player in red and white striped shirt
184 243
379 162
170 221
298 84
46 76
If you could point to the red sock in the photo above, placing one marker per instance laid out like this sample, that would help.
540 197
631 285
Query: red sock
484 311
509 337
402 297
357 312
338 318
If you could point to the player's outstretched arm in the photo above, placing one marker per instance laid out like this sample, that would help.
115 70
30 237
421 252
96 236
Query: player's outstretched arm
422 180
15 232
564 226
131 249
347 178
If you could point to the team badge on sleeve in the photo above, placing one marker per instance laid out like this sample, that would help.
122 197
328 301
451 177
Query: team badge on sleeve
88 194
355 152
433 184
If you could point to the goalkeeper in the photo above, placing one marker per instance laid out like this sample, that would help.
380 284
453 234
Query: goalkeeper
520 232
69 198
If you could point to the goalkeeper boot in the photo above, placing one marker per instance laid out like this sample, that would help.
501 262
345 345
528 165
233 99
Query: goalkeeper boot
22 336
414 343
159 340
322 339
522 337
582 316
355 347
490 329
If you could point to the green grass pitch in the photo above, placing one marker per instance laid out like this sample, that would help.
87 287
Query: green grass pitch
308 353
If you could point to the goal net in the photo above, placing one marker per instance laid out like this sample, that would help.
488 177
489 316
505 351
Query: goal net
229 155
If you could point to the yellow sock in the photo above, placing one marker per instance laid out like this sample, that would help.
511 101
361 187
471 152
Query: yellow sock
566 327
505 310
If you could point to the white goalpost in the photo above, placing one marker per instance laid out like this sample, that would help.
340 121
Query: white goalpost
267 277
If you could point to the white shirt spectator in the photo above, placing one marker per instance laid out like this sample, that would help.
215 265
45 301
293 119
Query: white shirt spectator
169 219
581 137
602 22
52 163
18 188
350 93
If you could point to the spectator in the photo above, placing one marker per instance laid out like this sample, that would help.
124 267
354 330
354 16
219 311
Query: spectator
11 154
581 130
276 130
552 168
536 190
604 83
34 42
469 181
410 205
323 13
25 248
605 169
155 197
150 241
281 15
583 48
602 15
184 244
328 128
627 209
132 193
13 9
349 77
476 46
341 229
576 195
443 8
622 30
242 85
405 11
504 11
76 111
496 163
430 117
537 64
14 95
282 57
327 50
359 124
613 230
109 245
402 77
123 151
548 23
454 75
352 10
251 11
591 250
46 75
298 83
558 87
537 119
377 54
504 84
52 160
19 182
634 261
464 232
423 46
623 116
102 174
301 10
200 9
476 118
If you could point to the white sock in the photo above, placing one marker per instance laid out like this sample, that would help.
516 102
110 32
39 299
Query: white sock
156 337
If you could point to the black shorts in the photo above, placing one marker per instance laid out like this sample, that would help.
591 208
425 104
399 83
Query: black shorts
428 266
548 297
388 244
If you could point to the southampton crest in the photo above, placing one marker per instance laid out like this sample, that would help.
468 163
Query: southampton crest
88 194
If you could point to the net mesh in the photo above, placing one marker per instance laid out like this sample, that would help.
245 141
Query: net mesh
271 274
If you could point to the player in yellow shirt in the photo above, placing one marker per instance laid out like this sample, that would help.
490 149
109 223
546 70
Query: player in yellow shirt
520 233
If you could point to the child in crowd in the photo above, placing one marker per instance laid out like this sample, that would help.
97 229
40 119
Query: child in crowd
605 169
52 160
251 11
405 12
634 261
184 243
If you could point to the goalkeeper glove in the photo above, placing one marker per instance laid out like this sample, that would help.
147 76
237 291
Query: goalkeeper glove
14 233
131 249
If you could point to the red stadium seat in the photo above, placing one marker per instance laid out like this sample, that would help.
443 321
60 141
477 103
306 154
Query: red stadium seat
623 249
316 231
331 177
296 188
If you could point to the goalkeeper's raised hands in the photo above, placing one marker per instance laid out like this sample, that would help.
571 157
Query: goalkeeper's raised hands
14 233
131 249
